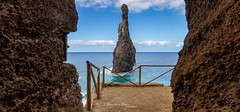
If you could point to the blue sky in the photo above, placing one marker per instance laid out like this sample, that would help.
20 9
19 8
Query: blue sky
155 25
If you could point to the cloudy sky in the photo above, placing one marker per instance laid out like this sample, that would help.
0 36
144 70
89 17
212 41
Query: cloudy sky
155 25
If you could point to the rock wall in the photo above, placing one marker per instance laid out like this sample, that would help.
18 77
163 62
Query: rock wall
207 75
124 53
33 76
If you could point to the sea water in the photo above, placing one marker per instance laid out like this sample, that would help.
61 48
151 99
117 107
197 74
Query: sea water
105 58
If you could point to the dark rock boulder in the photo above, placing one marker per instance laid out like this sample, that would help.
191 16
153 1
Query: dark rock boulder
124 53
33 76
207 75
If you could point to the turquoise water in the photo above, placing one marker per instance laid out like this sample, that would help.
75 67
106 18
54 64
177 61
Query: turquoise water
142 58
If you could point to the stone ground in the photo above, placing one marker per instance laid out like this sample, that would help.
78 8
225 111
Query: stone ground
134 99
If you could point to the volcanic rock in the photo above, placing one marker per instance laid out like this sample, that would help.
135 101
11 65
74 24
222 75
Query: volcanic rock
207 75
124 53
33 76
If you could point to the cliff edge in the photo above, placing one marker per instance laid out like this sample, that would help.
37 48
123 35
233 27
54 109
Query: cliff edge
207 75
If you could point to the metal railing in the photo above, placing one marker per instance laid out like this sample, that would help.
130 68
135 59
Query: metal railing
98 85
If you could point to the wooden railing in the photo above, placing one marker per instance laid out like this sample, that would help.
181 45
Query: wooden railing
99 85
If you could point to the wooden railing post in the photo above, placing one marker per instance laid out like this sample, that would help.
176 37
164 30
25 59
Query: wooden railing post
88 86
98 84
94 80
140 72
103 75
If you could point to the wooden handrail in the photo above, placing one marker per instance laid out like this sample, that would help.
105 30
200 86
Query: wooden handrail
139 67
119 78
94 80
99 81
157 65
97 84
100 67
158 77
93 65
123 76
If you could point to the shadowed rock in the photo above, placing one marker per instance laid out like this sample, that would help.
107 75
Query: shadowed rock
33 76
124 53
207 75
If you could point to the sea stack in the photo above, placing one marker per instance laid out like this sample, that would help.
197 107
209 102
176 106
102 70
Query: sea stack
124 53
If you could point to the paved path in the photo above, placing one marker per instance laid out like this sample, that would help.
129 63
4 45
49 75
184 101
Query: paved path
134 99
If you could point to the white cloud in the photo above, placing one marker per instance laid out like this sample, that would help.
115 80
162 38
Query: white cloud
92 42
179 44
135 5
152 43
109 45
94 3
113 43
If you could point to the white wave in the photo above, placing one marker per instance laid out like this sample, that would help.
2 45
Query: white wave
84 93
84 102
84 98
107 72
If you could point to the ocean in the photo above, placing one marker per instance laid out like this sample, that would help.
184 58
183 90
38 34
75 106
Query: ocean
105 58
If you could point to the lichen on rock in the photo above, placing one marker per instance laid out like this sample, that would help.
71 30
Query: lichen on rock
124 53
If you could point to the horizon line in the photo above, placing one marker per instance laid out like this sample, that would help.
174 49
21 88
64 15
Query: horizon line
112 52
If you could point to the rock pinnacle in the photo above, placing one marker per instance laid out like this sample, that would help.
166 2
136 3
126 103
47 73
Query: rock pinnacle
124 53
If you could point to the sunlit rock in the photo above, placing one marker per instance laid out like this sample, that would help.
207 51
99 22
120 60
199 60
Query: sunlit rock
124 53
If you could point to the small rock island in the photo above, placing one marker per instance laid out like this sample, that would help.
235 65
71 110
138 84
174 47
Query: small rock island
124 53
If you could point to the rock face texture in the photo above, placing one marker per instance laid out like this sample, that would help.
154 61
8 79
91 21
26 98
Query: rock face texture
124 53
33 76
207 75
